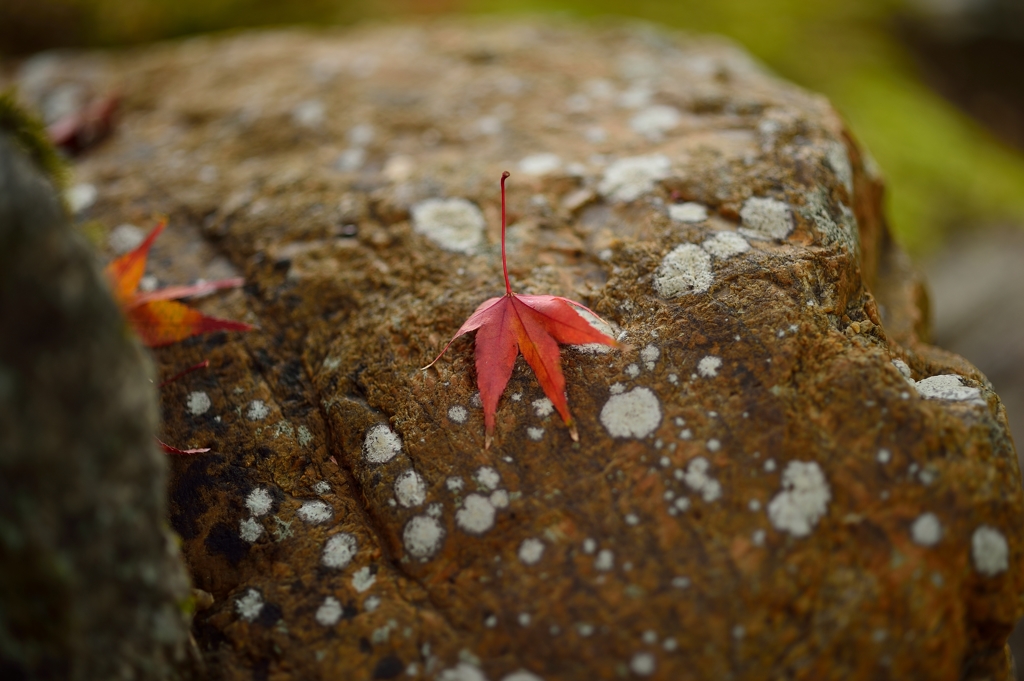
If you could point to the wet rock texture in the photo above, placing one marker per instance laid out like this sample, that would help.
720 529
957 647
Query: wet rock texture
779 478
92 585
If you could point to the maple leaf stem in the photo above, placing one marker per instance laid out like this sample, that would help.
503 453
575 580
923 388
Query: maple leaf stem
202 365
504 264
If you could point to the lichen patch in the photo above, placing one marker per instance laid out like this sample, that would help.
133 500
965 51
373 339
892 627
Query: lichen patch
989 551
453 224
339 551
803 500
947 387
698 480
630 178
926 530
725 245
249 605
258 410
198 403
708 366
688 212
766 218
329 612
476 515
458 414
259 501
487 477
410 489
381 444
422 536
315 512
249 530
363 579
530 551
634 414
686 269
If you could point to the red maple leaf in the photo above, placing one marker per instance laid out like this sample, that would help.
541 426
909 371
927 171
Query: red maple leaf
155 316
531 325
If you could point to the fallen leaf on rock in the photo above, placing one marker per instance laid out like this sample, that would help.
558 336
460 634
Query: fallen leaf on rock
155 315
531 325
185 452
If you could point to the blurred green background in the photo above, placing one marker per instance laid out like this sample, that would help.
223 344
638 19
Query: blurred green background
879 61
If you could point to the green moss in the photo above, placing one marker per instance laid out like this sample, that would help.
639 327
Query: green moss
30 134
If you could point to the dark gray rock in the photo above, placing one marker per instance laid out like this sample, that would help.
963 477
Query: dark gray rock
91 584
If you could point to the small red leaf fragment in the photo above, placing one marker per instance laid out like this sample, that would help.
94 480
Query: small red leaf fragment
529 325
181 452
195 367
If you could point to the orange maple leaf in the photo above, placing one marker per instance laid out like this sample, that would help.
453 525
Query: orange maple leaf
532 325
155 315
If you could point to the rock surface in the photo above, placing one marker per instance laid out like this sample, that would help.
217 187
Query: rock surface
92 585
779 479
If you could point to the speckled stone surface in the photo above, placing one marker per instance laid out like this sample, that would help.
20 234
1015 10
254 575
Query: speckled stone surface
778 479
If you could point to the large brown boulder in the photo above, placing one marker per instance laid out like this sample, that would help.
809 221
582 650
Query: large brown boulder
779 478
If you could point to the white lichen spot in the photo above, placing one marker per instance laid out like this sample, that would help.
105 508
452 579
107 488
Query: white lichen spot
530 551
698 480
257 410
499 498
632 370
124 238
458 414
902 367
585 630
686 269
650 637
947 387
642 664
521 675
630 178
371 603
709 366
617 389
487 477
249 530
669 644
454 483
680 582
989 550
688 212
381 444
632 519
81 196
605 560
683 503
198 403
435 510
322 487
250 605
635 414
315 512
589 546
654 121
453 224
543 407
926 530
422 536
839 161
540 164
769 466
884 456
535 434
304 437
713 445
463 671
754 505
410 489
803 500
649 355
516 397
476 515
329 612
259 501
339 551
363 579
758 537
726 245
766 217
685 434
